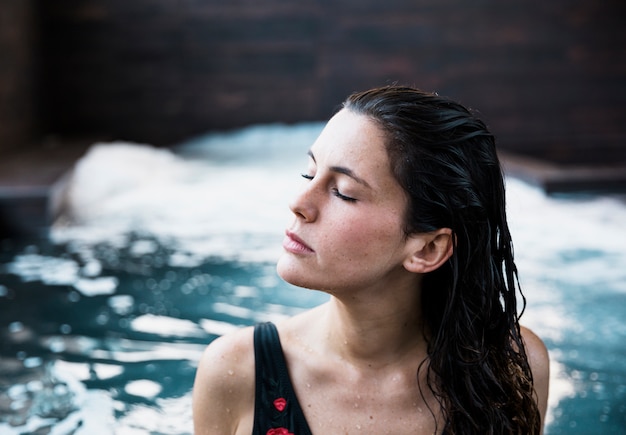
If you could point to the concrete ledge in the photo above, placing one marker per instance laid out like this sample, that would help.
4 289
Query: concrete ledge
553 178
27 179
24 212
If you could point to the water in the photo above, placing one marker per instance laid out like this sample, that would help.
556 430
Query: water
154 254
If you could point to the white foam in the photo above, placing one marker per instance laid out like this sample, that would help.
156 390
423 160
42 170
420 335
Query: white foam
228 201
49 270
166 326
216 327
104 285
144 420
92 409
143 388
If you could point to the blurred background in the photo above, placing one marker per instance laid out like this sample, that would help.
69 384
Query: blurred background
136 136
547 76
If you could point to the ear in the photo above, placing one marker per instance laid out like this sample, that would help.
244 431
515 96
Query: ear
428 251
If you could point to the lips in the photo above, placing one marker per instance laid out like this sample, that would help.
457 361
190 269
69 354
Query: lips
294 244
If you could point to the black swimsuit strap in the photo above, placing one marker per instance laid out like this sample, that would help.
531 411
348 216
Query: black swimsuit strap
276 405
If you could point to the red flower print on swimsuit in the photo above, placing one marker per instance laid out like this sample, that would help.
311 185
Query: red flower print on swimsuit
279 431
280 404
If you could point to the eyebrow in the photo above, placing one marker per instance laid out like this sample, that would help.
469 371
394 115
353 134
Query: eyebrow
343 170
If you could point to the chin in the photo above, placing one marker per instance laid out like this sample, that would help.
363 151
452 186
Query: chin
285 270
290 272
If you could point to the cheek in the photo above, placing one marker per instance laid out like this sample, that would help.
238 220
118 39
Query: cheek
363 236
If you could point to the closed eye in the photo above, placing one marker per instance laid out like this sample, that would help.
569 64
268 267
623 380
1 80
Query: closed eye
334 190
343 197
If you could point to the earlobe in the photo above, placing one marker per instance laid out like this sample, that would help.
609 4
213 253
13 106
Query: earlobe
429 250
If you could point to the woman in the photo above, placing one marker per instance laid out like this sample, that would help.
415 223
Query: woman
401 220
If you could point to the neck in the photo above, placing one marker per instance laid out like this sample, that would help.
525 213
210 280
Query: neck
376 331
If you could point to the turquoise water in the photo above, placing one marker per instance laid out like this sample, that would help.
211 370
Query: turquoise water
120 361
155 253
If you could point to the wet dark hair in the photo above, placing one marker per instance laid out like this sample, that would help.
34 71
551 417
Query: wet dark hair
445 159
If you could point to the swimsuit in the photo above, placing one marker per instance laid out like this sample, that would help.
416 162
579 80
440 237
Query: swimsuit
276 408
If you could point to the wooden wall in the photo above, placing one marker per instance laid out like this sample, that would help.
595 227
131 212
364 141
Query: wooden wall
18 111
548 76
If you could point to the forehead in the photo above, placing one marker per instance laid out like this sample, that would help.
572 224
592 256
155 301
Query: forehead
356 142
350 138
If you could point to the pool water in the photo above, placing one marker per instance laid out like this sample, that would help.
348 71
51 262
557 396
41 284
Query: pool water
121 355
154 253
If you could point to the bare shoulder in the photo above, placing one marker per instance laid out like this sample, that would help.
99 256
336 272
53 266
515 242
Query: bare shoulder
223 392
539 361
537 353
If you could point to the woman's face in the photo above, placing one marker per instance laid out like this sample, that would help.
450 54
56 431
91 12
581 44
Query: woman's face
347 229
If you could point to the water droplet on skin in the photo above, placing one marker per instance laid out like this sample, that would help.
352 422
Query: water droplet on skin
358 426
230 372
308 385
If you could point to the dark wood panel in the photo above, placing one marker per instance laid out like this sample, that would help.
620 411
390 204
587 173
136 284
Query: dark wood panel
18 124
549 77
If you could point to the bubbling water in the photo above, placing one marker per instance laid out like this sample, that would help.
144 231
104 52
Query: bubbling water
155 252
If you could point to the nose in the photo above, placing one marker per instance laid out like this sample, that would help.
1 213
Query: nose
303 205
